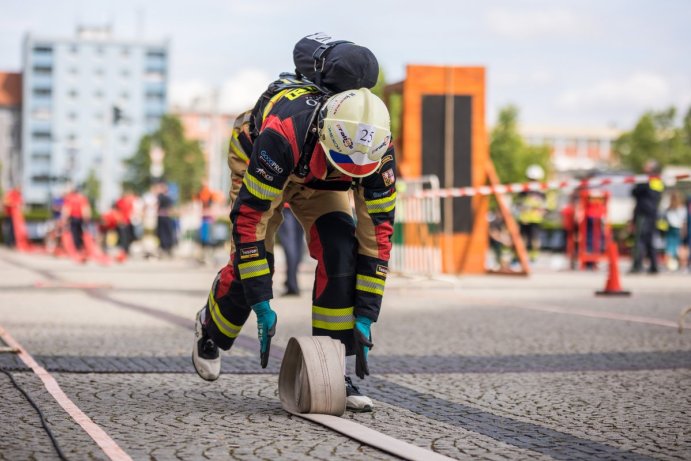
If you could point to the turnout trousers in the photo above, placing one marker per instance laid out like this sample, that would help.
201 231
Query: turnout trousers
327 218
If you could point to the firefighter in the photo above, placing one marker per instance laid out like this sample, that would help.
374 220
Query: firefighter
347 145
531 212
647 197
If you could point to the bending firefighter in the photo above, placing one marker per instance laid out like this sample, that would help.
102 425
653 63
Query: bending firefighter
309 151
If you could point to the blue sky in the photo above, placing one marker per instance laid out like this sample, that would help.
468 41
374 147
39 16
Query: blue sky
571 63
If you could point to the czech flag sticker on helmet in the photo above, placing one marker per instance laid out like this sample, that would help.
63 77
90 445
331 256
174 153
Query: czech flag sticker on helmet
356 164
354 131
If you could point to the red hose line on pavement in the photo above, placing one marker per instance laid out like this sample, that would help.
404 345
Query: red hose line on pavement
103 440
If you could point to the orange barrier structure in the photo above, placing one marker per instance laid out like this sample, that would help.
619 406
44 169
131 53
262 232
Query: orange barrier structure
588 234
443 133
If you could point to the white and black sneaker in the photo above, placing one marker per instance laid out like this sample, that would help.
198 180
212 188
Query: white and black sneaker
355 401
205 355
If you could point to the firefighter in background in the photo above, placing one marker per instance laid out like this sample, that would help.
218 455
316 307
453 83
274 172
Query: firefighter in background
309 153
208 199
531 212
125 228
12 201
75 212
647 197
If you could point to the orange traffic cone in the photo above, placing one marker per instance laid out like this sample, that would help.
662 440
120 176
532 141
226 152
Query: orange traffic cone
613 286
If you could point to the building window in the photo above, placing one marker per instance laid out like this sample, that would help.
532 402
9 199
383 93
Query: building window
41 135
43 49
99 50
43 70
98 94
98 71
42 92
72 116
40 156
74 49
73 94
73 71
155 54
125 51
124 139
124 95
125 73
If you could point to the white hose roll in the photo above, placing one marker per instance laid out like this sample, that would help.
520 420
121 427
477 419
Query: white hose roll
311 385
311 377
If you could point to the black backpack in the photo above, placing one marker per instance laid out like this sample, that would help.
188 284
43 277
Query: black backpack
335 65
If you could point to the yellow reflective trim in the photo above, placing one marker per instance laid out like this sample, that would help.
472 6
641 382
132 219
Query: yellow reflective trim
369 284
376 291
272 101
333 312
253 269
257 273
367 278
225 326
259 189
657 184
333 326
236 147
382 200
382 205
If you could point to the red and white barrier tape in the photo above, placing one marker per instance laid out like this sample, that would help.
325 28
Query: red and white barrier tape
541 186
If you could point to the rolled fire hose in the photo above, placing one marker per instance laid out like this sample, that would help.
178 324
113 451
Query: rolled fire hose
311 386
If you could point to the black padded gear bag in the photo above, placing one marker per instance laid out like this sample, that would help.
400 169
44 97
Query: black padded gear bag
335 65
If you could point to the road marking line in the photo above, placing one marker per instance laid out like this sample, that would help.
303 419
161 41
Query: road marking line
108 445
599 315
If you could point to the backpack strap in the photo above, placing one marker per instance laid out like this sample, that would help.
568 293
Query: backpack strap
302 168
319 57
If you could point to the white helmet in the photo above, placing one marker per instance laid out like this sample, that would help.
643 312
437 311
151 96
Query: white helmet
354 130
535 172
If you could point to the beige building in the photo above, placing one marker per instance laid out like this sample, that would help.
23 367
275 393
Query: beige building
574 148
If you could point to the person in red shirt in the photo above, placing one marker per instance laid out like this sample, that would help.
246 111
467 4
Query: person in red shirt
125 207
76 210
11 202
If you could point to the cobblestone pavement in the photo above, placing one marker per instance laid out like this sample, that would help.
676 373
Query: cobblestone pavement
467 367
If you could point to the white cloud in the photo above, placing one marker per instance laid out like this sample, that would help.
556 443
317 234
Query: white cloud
638 92
534 77
532 23
236 94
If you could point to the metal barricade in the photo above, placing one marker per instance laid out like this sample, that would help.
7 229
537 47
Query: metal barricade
417 228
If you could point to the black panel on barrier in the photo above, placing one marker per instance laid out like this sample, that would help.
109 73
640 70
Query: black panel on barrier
433 124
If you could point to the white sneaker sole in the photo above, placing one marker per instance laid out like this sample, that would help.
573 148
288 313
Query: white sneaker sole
359 404
208 370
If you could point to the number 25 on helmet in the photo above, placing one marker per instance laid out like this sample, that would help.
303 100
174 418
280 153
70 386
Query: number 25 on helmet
355 131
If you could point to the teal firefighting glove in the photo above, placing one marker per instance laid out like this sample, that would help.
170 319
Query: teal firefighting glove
266 328
362 342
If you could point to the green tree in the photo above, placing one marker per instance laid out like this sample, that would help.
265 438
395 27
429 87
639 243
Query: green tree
655 137
183 163
510 153
92 188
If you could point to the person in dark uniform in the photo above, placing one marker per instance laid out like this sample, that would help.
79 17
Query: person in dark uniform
165 226
292 240
647 196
